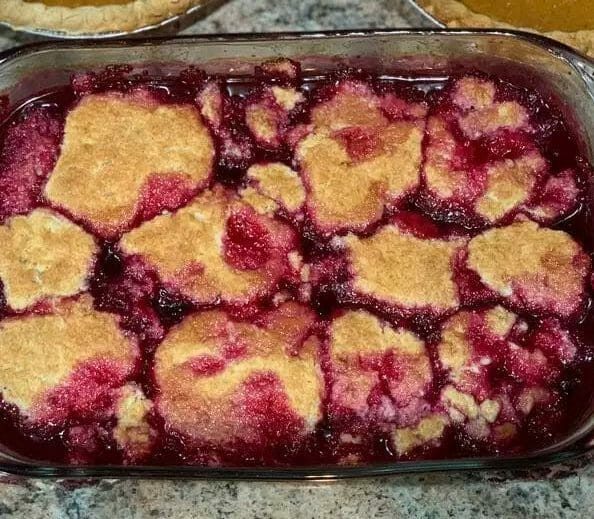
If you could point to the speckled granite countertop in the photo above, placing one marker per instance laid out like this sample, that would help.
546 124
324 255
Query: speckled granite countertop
562 491
556 493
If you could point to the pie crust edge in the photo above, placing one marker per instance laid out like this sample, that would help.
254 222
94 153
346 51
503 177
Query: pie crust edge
91 19
455 14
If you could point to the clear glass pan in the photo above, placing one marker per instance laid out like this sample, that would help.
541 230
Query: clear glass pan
432 54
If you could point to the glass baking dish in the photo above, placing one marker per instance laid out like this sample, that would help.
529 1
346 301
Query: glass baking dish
428 55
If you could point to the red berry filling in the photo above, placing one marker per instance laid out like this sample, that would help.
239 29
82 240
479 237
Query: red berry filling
247 242
30 149
164 193
360 142
88 393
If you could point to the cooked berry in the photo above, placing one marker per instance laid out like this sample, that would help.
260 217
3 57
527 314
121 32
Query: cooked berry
30 149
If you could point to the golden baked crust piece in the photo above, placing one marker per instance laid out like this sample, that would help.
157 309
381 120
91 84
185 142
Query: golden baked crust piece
114 145
403 270
492 190
210 368
132 431
43 255
279 183
368 355
540 268
199 268
427 431
40 353
357 336
355 160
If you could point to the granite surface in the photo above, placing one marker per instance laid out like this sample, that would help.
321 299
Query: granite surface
563 492
556 492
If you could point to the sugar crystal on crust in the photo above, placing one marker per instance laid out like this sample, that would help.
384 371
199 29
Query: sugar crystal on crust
508 115
280 67
473 93
509 183
210 99
279 183
427 431
267 114
264 122
480 112
132 431
287 97
354 104
261 203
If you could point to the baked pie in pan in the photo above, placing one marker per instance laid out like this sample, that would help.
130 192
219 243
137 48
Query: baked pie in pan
90 16
569 21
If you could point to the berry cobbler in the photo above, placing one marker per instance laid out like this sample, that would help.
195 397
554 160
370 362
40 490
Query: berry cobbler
288 270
